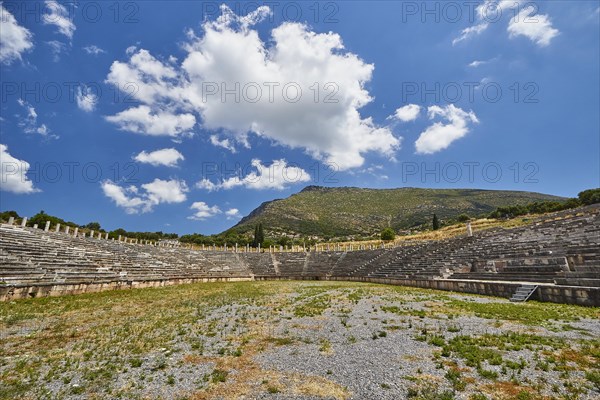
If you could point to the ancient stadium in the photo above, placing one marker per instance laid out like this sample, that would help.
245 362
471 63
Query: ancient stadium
299 200
502 313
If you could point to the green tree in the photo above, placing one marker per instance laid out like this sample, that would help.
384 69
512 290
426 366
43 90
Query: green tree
283 241
435 223
463 218
255 237
261 234
590 196
388 234
5 215
93 226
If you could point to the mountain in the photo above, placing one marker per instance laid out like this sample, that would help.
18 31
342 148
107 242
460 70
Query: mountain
350 211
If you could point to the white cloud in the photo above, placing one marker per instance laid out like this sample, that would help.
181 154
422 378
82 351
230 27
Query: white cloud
207 185
93 50
233 213
144 120
407 113
29 123
14 174
154 193
166 157
86 100
470 32
58 15
278 175
42 130
125 197
153 80
225 143
537 28
230 52
477 63
203 211
14 40
440 135
160 191
57 48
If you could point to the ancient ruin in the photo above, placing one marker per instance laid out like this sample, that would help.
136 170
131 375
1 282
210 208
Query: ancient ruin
558 255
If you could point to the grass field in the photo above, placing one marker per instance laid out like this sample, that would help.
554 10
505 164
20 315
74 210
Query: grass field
300 340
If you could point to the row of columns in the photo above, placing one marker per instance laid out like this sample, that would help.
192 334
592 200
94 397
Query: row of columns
75 233
247 249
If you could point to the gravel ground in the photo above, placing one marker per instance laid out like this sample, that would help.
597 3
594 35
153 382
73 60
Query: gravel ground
314 341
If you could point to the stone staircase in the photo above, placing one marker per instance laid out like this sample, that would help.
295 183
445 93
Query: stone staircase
523 293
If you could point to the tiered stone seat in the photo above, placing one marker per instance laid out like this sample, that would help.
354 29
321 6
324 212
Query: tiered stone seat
562 249
321 263
261 264
292 264
358 263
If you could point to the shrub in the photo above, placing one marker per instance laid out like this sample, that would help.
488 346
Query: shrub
388 234
463 218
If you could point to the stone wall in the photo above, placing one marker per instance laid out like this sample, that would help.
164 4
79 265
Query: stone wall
583 296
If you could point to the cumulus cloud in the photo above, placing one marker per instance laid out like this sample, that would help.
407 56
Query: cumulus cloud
86 100
271 83
56 14
408 113
278 175
14 174
29 122
15 39
144 120
536 28
167 157
203 211
233 213
172 191
93 50
135 201
441 134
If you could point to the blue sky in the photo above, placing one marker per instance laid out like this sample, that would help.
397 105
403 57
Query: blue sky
184 116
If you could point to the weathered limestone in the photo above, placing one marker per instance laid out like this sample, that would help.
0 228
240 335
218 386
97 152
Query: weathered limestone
57 228
11 220
24 222
92 234
67 230
35 226
106 236
75 232
469 230
559 253
47 227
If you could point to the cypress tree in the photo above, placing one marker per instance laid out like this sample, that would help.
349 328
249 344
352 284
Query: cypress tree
255 239
435 223
261 235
